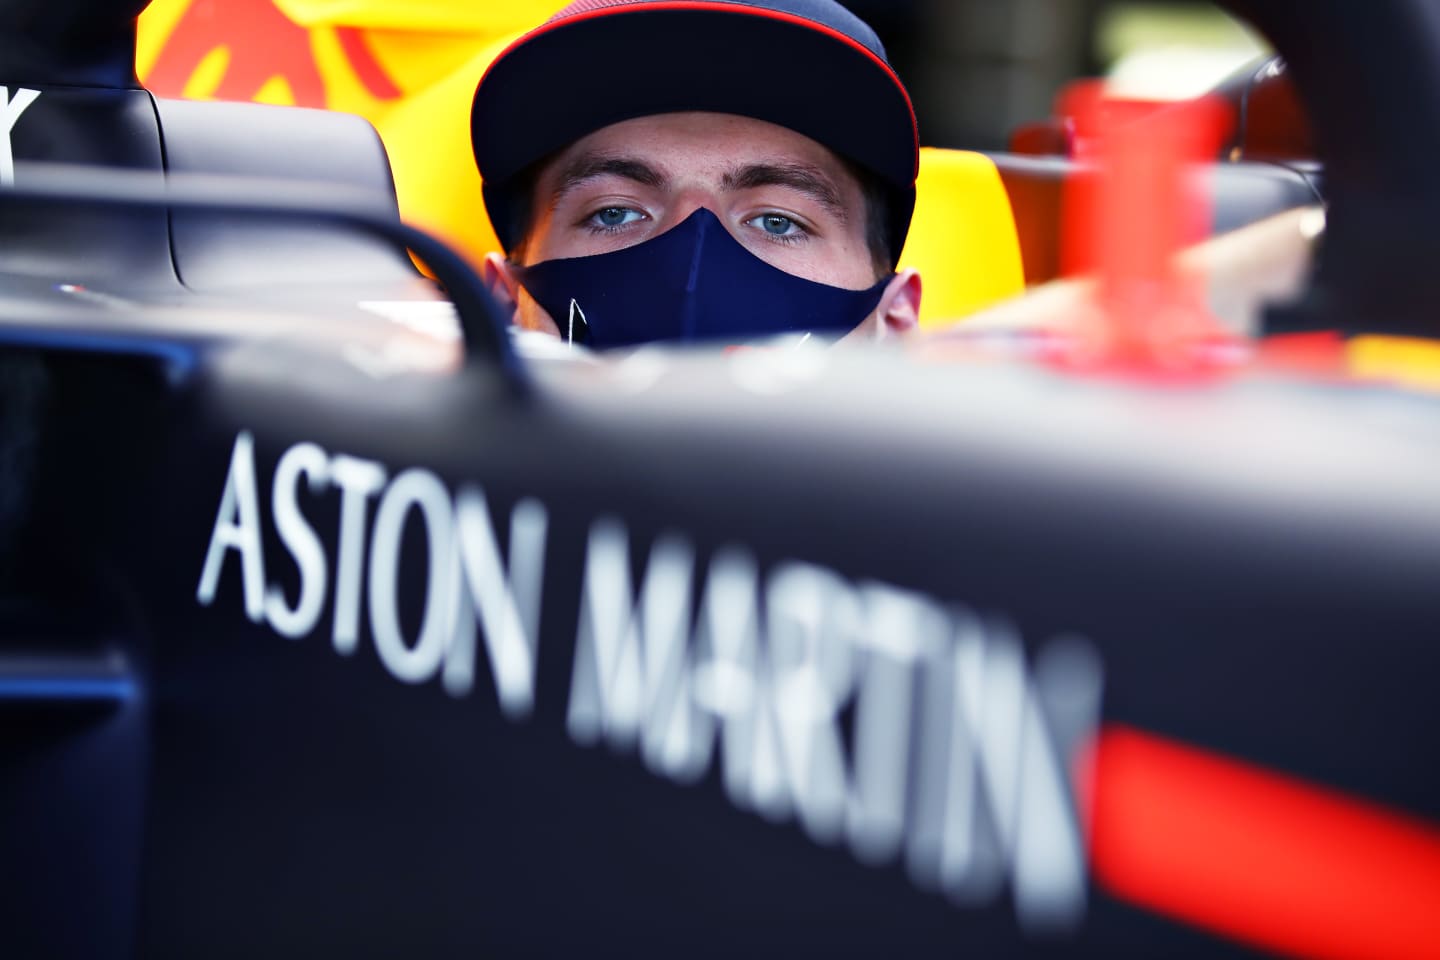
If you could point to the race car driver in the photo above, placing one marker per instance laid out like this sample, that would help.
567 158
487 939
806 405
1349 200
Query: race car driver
719 170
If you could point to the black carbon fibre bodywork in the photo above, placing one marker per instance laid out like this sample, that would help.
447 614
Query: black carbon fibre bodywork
1251 562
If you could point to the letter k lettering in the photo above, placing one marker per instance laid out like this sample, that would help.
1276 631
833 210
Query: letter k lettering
10 111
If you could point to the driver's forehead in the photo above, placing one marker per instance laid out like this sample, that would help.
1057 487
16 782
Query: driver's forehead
700 149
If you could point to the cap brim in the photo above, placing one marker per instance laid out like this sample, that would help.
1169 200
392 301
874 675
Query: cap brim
572 77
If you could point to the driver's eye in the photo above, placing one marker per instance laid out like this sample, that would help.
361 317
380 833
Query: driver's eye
779 228
776 224
613 216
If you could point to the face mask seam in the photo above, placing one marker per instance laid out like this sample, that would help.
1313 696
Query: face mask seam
692 282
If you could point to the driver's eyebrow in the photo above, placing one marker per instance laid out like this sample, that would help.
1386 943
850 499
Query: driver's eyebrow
811 181
590 166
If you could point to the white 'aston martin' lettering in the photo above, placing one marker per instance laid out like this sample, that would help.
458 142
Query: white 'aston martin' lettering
959 753
873 716
10 111
468 586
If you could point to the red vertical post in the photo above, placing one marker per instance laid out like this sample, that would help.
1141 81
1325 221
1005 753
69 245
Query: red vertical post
1137 200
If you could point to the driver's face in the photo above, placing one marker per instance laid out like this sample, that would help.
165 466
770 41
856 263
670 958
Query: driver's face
786 198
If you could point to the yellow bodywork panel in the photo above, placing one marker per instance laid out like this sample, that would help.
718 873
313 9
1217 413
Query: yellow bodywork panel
1403 361
963 239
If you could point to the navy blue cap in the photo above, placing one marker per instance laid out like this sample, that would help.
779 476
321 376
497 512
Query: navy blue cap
809 65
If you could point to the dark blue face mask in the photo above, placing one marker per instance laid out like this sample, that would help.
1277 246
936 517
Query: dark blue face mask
694 282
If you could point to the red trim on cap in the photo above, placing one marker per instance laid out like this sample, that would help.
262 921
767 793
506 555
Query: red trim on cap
720 6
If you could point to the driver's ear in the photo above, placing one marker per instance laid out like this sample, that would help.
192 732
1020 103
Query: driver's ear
899 309
499 277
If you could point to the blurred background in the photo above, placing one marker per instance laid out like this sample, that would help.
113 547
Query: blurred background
977 69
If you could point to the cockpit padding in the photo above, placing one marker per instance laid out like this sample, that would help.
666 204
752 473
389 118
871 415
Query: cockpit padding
226 253
145 252
96 126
